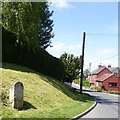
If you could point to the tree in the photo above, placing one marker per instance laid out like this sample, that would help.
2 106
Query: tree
29 21
86 73
72 66
45 33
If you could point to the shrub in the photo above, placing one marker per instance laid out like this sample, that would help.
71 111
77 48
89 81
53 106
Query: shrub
113 92
76 81
98 89
37 59
86 83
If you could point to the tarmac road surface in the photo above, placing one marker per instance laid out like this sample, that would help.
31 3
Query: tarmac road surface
107 105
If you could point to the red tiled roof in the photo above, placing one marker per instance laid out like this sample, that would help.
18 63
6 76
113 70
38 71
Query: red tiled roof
97 71
104 77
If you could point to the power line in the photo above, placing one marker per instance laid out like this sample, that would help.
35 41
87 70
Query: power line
103 34
105 59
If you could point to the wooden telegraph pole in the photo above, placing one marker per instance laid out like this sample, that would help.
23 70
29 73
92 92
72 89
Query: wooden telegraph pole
83 47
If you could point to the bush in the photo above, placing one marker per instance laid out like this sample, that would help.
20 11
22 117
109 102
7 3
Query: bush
38 59
76 81
86 83
95 88
113 92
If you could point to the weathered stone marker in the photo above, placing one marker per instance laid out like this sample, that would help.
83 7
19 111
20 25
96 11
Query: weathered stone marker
16 95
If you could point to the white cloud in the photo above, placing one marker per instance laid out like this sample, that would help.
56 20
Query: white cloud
60 47
61 4
107 51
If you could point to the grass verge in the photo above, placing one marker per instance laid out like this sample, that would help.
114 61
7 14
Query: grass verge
44 97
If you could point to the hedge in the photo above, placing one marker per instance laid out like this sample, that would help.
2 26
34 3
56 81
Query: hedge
39 59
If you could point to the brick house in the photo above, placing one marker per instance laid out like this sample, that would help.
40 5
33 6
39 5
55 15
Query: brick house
106 78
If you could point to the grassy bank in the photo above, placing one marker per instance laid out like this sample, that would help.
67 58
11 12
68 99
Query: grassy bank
44 97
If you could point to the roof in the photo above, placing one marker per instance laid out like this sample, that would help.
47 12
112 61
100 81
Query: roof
113 68
96 71
104 77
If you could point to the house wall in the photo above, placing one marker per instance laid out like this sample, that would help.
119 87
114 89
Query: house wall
105 71
119 72
93 78
113 79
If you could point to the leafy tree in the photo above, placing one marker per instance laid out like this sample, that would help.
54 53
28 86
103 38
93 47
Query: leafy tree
86 73
45 33
29 21
72 66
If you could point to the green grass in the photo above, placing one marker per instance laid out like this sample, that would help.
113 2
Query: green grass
44 97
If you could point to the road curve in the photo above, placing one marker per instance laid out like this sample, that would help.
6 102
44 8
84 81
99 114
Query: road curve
107 105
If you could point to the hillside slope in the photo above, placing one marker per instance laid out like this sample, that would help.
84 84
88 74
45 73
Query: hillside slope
44 97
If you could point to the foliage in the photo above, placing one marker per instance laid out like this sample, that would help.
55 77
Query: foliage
72 66
86 83
76 81
86 73
29 21
39 59
95 88
44 97
113 92
45 33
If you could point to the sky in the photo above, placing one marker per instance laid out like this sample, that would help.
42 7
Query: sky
100 22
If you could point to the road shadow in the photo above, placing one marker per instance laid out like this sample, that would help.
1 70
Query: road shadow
17 68
68 90
106 101
84 90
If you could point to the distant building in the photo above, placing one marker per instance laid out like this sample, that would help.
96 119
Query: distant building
106 77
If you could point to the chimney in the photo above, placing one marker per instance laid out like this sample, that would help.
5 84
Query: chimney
99 66
109 66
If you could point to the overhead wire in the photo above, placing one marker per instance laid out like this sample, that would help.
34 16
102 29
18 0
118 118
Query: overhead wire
104 59
103 34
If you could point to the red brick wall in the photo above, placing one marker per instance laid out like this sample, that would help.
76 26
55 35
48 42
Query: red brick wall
93 78
111 79
105 71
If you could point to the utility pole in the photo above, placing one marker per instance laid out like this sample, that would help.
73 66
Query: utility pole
83 47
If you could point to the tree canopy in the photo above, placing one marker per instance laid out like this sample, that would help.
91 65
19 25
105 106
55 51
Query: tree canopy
29 21
72 66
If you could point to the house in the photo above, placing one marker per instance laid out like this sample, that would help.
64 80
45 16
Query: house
114 70
108 82
97 73
106 78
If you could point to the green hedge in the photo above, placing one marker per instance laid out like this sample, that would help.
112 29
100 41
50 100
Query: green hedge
39 59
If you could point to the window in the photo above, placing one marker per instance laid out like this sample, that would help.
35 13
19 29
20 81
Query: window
111 84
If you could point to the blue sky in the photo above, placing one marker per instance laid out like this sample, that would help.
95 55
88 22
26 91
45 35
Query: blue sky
100 22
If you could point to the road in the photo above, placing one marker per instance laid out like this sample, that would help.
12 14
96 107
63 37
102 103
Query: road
107 105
